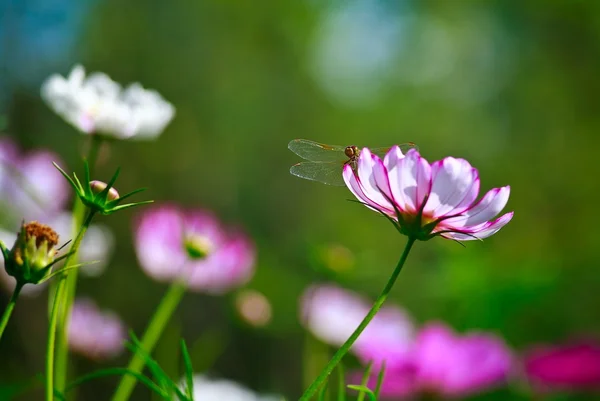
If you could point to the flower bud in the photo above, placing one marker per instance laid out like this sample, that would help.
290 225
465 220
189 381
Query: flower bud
32 255
99 186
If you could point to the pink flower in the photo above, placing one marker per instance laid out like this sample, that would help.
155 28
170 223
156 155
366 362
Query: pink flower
331 314
449 365
94 333
30 187
191 245
569 367
427 200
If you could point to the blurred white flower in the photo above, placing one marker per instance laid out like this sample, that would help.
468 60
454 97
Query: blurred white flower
97 245
97 104
206 389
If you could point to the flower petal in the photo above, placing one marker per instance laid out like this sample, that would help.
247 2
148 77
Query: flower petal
372 174
230 266
410 180
487 208
455 186
481 231
456 365
159 242
354 185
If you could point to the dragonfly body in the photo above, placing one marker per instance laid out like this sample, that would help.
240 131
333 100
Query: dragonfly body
325 163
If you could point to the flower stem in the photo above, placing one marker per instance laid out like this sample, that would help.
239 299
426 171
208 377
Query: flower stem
9 308
62 337
56 309
337 357
160 319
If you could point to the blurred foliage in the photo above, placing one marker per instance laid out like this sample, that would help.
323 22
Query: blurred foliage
515 94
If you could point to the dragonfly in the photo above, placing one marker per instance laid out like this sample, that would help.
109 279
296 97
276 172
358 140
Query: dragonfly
325 163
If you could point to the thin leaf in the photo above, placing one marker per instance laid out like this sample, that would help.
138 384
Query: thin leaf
86 171
136 347
116 372
122 198
323 392
189 371
362 391
380 379
128 205
64 269
365 381
104 193
75 187
85 189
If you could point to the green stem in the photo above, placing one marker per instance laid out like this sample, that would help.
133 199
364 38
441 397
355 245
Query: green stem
56 308
9 308
157 325
337 357
62 336
64 314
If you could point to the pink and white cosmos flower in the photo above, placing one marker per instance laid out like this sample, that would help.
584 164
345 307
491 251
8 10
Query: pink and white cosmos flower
426 200
192 246
331 314
448 365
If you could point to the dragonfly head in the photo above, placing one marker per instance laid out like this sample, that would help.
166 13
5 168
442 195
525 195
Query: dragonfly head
351 151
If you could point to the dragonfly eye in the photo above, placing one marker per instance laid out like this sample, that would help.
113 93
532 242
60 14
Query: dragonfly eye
351 151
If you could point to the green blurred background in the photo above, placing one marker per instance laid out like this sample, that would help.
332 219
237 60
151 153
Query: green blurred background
510 85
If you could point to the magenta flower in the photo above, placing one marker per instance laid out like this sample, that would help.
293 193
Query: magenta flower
331 314
570 367
191 245
94 333
449 365
426 200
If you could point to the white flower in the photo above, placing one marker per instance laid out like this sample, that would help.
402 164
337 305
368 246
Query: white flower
97 104
206 389
96 247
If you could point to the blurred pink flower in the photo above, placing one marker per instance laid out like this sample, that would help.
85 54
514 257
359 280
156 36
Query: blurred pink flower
427 200
30 187
448 365
93 333
191 245
569 367
331 314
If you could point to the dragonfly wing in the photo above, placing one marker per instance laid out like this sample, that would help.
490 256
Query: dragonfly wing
326 172
317 152
404 147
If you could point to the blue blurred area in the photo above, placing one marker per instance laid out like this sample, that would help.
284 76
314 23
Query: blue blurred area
37 36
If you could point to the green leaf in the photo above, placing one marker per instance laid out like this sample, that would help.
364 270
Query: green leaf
117 372
323 392
362 391
111 183
78 189
189 371
166 383
380 379
365 381
122 198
